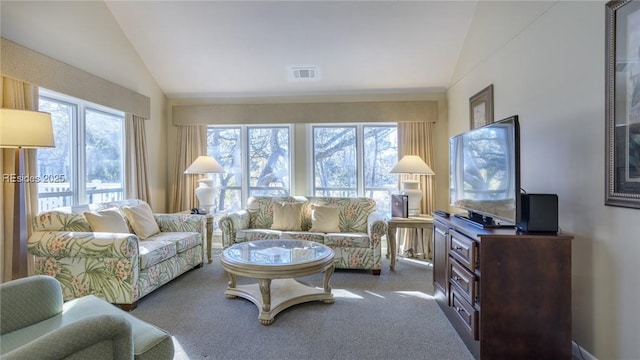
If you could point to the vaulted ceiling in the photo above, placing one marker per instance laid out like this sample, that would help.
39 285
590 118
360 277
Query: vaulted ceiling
245 48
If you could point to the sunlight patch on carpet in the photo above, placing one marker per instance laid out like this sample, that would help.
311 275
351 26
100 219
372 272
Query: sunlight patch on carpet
374 294
417 294
342 293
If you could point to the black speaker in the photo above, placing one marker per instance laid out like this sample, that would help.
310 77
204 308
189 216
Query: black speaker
538 213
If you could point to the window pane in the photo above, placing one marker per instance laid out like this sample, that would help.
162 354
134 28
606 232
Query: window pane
380 156
225 146
54 164
268 160
334 150
104 164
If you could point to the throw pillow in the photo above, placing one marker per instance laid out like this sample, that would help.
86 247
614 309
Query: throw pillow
286 216
108 220
141 219
325 219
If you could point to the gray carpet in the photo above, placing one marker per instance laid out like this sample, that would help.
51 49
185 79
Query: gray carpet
391 316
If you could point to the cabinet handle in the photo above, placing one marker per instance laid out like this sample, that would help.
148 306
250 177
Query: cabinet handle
457 247
458 309
456 278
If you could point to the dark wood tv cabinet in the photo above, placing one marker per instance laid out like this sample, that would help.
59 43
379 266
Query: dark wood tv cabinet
508 295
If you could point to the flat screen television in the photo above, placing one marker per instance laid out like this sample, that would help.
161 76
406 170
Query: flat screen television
485 173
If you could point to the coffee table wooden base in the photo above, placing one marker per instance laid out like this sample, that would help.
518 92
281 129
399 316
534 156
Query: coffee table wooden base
273 296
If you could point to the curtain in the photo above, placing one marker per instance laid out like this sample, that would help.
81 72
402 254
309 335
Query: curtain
416 138
23 96
137 159
191 143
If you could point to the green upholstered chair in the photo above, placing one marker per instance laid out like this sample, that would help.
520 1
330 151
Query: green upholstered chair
36 324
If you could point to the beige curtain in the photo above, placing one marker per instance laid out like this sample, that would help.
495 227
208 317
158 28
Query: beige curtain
137 159
191 143
416 138
23 96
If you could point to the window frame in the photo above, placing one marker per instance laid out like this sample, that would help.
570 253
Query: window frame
361 188
245 186
78 183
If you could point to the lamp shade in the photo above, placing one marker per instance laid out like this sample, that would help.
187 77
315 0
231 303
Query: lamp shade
412 164
25 129
204 165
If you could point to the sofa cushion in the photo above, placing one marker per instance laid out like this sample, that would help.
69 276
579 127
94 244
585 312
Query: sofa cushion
354 212
325 219
286 216
109 220
349 240
303 235
155 251
257 234
261 209
141 219
182 240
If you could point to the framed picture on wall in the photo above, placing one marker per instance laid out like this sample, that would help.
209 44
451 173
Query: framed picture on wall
622 104
481 107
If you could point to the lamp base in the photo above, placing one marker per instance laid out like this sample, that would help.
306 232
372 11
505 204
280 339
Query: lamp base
206 194
411 188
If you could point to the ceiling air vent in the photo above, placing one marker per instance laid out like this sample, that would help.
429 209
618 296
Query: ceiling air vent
303 73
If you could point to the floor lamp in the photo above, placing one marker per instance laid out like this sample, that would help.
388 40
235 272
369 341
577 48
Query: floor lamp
206 192
414 165
22 129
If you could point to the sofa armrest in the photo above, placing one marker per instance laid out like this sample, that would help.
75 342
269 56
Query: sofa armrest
376 226
104 264
231 223
182 223
28 301
96 337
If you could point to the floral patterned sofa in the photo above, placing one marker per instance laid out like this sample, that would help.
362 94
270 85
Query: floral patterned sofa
357 242
116 266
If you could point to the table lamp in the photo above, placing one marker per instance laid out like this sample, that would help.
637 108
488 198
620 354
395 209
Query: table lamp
206 192
22 129
413 165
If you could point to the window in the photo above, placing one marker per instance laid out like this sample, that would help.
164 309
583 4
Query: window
262 152
355 161
87 164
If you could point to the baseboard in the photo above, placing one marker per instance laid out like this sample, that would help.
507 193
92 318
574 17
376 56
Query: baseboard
578 352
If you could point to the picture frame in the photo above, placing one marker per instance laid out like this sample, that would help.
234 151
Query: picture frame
481 107
622 104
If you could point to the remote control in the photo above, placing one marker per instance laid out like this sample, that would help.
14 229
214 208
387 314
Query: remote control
441 213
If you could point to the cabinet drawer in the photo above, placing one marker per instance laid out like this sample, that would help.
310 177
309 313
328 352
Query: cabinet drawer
464 280
464 250
466 313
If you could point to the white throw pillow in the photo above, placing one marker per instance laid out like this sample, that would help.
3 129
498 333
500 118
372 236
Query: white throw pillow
325 219
141 219
286 216
108 220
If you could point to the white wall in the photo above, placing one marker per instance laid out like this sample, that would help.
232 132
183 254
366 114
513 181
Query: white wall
548 67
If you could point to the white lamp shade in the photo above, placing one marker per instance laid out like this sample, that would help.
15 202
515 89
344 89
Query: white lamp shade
412 164
25 129
204 165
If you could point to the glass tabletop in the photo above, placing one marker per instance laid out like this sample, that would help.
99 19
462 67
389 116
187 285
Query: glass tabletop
276 252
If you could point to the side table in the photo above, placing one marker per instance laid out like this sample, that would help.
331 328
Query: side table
210 218
413 222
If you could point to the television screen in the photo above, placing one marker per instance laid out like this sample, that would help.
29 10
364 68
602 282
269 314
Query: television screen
485 171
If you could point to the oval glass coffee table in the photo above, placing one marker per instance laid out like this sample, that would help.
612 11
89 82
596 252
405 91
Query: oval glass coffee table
275 263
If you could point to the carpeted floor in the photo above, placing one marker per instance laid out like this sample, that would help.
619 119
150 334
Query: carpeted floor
391 316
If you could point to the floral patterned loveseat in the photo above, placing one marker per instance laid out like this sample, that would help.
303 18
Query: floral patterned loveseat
118 267
357 245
